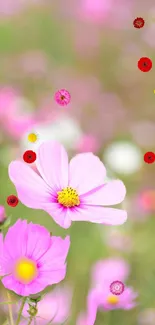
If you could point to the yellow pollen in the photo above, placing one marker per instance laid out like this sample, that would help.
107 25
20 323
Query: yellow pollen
25 270
113 300
32 137
68 197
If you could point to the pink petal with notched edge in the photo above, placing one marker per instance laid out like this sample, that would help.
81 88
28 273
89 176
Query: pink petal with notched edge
99 214
38 241
108 194
24 290
56 254
52 163
86 172
59 214
31 188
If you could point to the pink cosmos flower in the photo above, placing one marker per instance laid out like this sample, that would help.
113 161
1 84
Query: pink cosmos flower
106 271
34 260
100 296
54 306
74 192
62 97
2 214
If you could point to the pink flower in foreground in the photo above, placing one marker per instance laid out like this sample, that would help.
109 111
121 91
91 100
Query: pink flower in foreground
62 97
100 296
32 259
2 214
68 192
54 306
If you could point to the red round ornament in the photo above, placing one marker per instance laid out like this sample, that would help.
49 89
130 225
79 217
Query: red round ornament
138 22
145 64
12 200
29 156
117 288
149 157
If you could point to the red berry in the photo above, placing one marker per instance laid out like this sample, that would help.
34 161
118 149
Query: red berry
138 22
29 156
145 64
149 157
12 200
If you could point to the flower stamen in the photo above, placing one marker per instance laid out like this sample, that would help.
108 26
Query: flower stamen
25 270
112 300
68 197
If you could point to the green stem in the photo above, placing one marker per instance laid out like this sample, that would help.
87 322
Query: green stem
10 309
20 311
30 320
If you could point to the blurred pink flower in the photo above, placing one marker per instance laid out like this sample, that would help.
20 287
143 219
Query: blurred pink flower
118 240
34 261
55 306
34 64
14 118
94 11
100 297
148 35
146 200
143 132
113 14
106 271
2 214
88 143
69 192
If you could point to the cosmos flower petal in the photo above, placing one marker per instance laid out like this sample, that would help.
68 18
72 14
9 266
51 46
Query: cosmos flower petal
60 215
93 301
109 194
99 214
86 172
11 283
52 163
38 241
19 242
31 188
107 271
56 254
52 277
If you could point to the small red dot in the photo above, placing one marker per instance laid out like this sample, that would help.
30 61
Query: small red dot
138 22
12 200
149 157
29 156
145 64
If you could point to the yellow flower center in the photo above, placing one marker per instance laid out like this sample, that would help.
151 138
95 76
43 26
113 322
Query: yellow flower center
25 270
112 300
32 137
68 197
